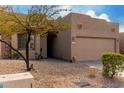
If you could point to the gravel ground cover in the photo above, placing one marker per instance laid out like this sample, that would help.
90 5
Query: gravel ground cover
51 73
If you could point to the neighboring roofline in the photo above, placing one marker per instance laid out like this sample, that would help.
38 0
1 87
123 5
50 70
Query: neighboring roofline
77 14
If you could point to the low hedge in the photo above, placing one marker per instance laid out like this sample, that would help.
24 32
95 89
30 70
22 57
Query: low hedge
112 63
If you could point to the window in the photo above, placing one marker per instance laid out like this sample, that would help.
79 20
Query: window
22 42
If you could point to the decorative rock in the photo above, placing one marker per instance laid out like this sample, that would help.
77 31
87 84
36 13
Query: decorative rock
19 80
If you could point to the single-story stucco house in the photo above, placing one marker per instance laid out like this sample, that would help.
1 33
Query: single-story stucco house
87 39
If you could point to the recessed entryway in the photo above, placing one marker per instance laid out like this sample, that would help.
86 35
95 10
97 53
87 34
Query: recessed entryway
50 42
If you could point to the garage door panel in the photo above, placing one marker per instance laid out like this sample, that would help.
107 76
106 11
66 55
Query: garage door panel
92 48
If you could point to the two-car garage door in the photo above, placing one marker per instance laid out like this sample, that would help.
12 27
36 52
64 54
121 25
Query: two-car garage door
92 48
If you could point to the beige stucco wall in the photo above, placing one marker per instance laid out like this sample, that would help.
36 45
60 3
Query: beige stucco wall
5 50
43 45
121 37
39 43
61 47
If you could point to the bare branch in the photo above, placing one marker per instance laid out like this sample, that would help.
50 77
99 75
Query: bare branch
13 14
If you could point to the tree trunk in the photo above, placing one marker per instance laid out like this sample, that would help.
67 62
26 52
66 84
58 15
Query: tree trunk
27 51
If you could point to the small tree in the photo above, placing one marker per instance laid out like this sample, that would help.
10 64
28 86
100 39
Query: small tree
38 20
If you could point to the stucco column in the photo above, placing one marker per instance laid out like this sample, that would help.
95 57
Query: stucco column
0 49
14 41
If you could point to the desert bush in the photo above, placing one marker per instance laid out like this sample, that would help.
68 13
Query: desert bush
112 63
15 55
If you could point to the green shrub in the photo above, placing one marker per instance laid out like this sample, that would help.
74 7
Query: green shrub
112 63
15 55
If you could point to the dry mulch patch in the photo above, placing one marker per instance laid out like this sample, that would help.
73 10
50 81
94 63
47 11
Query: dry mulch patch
51 73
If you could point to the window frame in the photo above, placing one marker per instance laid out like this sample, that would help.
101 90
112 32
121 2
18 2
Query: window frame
23 48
